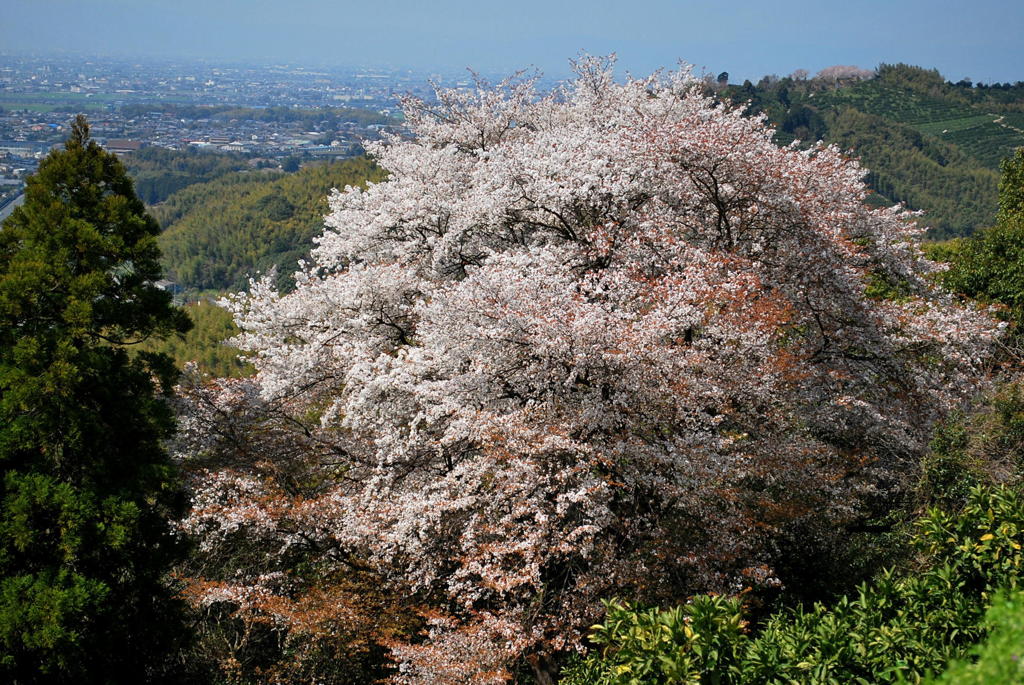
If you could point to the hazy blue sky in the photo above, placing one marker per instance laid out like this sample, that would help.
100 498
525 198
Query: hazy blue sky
982 39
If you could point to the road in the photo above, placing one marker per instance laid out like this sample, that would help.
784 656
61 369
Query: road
9 207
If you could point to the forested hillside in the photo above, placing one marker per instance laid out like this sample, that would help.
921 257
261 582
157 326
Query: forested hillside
933 145
205 345
955 191
218 234
159 173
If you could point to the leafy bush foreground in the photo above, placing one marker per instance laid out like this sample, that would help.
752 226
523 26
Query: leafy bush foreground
999 657
907 624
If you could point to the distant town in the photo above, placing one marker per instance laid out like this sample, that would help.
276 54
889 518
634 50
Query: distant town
270 113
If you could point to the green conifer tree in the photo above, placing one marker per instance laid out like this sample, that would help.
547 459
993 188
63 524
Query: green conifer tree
87 488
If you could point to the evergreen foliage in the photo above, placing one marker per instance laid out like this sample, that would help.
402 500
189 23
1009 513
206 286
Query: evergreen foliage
999 658
87 488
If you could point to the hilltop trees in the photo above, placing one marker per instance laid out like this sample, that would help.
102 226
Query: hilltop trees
843 72
87 488
608 341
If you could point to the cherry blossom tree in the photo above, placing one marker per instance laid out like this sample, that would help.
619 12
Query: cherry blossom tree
608 340
844 72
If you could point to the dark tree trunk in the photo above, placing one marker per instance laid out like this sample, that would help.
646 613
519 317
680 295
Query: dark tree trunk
544 671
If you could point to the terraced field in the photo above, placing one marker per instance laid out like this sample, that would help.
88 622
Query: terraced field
948 126
895 103
989 143
1013 120
985 136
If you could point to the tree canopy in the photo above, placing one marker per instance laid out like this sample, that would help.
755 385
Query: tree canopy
611 340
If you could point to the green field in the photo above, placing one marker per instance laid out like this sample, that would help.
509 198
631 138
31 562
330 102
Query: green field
47 102
944 126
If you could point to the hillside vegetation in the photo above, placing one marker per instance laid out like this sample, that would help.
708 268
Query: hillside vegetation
933 145
218 234
159 173
955 191
933 107
205 344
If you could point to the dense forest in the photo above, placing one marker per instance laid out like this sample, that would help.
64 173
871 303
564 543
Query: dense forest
220 233
159 173
602 387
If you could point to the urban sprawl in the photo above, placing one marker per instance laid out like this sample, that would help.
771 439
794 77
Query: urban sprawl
267 113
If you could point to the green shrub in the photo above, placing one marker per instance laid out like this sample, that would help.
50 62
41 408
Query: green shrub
1000 659
949 471
985 446
906 625
679 645
990 266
